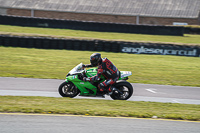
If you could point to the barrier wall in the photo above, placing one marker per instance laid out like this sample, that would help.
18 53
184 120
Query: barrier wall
99 45
190 30
91 26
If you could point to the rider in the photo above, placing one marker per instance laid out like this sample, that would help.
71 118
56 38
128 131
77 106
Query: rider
105 68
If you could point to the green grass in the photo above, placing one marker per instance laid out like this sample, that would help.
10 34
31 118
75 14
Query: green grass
113 108
66 33
55 64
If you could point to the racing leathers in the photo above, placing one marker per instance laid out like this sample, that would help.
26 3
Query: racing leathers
109 71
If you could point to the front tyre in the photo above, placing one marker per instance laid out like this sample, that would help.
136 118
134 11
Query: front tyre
68 89
124 91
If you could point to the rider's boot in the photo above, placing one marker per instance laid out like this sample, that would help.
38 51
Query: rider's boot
110 90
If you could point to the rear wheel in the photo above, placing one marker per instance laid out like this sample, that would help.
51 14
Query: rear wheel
68 89
124 91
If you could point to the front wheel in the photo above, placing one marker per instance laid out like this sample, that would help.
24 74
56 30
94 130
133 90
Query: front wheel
68 89
124 91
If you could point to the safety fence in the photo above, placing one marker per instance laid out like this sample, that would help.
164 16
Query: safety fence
91 26
99 45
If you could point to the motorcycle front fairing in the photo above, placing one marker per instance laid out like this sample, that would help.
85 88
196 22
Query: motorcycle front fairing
86 88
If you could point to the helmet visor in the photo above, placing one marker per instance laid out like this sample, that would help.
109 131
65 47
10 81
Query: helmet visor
94 62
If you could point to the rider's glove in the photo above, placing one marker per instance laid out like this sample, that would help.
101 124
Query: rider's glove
86 79
83 66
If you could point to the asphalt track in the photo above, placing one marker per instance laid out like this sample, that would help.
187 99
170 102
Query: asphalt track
142 92
31 123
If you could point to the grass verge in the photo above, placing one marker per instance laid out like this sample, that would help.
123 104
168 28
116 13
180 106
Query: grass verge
47 105
187 39
55 64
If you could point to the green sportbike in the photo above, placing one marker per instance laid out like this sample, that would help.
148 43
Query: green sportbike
74 85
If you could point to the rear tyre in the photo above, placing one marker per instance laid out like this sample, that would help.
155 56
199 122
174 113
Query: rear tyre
68 89
125 88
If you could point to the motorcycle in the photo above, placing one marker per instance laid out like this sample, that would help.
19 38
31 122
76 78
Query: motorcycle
74 84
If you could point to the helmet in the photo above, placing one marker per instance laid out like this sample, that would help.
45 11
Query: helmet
95 59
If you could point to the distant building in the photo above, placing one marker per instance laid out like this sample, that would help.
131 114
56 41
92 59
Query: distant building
153 12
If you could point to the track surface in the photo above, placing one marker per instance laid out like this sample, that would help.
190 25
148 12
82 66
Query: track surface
142 92
76 124
73 124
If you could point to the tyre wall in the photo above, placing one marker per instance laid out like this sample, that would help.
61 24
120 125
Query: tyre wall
91 26
99 45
